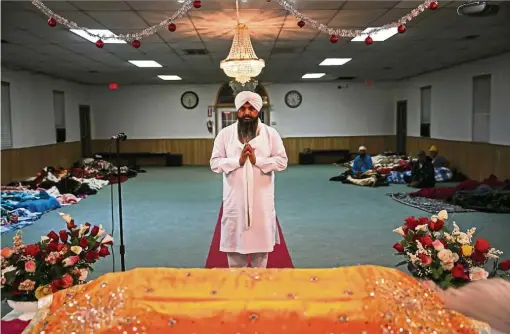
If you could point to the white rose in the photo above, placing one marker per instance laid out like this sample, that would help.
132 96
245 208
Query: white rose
101 231
423 228
477 273
44 238
399 231
443 215
448 266
447 258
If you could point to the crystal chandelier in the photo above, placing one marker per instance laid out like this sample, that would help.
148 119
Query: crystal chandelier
242 63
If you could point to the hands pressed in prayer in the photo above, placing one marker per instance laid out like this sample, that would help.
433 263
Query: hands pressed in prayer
247 153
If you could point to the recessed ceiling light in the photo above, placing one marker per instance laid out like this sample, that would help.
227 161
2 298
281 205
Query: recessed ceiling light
335 61
180 1
145 63
169 77
313 75
100 32
379 36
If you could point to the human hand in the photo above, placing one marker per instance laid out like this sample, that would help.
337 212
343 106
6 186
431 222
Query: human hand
245 154
252 157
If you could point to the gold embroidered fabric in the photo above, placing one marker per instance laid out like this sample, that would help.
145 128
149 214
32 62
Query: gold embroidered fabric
362 299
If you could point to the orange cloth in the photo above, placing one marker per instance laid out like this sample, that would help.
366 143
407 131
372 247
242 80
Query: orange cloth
361 299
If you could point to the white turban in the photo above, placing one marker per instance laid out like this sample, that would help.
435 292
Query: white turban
252 98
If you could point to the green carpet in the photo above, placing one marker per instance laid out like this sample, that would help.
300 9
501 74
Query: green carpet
170 215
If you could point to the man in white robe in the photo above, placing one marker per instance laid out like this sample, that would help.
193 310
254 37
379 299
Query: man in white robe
248 153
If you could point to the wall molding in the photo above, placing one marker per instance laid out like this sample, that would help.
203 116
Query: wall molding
21 163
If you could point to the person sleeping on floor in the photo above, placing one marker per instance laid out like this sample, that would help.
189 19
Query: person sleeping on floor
422 173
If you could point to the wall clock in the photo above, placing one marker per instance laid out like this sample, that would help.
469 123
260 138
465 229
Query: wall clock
293 99
189 100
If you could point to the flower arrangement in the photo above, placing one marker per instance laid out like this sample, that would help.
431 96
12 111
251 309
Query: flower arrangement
449 258
57 262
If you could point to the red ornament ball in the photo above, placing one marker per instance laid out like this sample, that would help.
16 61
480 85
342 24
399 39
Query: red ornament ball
369 40
197 4
99 44
333 38
401 29
301 24
433 5
136 44
172 27
113 86
52 22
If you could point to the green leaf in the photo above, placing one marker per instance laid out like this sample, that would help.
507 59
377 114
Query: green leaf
10 277
401 263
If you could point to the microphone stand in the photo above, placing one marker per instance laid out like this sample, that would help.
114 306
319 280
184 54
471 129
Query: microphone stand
118 138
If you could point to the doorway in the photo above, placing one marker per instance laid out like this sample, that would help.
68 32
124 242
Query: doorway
85 132
401 127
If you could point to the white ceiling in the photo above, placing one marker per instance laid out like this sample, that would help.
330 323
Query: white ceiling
434 40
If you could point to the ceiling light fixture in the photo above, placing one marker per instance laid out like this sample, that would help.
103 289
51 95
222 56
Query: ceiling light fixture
335 61
313 75
379 36
145 63
170 77
242 63
100 32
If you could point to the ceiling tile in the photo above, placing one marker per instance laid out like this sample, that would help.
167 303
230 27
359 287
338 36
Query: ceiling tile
369 5
119 19
356 18
101 5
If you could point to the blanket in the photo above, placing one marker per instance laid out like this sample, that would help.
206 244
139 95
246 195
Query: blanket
441 174
369 178
427 204
484 199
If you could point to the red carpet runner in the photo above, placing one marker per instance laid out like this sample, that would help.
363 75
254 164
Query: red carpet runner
278 258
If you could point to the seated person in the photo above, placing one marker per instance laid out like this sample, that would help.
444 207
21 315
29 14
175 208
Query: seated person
437 160
362 163
422 174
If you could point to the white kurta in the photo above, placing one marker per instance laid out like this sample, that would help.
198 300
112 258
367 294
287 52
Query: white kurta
248 224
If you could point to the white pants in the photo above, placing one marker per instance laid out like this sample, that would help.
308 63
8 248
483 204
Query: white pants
236 260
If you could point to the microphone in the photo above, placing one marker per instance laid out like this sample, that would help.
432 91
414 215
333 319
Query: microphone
120 136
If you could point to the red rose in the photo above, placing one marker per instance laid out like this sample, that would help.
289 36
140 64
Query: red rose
32 250
85 231
67 281
482 246
104 252
411 223
458 272
445 244
478 257
53 236
426 241
91 256
425 259
398 247
52 247
84 242
60 247
76 233
63 235
505 265
95 230
436 226
71 225
405 229
423 221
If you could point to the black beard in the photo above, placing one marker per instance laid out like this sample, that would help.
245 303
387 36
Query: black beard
247 129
